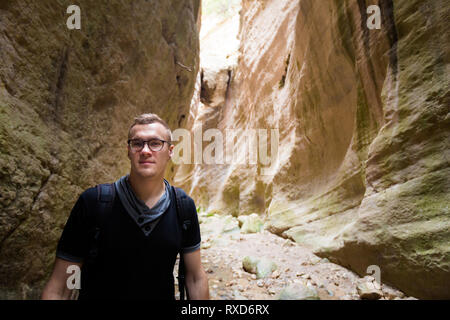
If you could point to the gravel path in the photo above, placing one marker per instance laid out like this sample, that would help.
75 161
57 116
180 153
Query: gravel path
223 253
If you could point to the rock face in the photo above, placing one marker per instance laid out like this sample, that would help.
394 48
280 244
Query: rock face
362 172
67 98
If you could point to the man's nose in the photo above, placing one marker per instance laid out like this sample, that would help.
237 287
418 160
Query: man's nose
146 148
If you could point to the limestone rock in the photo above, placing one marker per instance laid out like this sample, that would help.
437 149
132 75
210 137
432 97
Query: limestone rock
230 225
261 267
362 169
67 99
205 245
392 294
367 290
298 292
251 223
275 275
215 226
249 264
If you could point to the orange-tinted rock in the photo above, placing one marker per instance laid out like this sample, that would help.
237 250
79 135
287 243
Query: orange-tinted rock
362 172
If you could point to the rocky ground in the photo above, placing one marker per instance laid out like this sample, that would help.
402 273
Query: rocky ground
264 266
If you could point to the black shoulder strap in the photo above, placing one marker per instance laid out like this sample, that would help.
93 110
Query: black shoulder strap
105 200
182 207
106 194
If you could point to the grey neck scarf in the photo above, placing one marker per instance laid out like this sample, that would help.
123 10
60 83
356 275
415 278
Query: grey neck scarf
145 217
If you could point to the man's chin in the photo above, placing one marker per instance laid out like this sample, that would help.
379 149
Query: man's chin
146 173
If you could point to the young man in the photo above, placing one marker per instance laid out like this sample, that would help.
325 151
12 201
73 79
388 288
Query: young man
136 247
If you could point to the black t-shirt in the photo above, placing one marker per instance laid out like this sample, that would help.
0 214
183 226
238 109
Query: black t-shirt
129 265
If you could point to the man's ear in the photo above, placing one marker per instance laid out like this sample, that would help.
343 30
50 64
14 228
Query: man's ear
171 150
128 152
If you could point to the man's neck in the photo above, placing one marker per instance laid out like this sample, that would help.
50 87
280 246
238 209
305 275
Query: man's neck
147 189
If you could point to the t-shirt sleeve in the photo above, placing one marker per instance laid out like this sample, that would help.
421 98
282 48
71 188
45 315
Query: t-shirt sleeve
73 244
191 240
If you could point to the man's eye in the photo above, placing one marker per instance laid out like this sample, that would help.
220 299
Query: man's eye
155 143
136 143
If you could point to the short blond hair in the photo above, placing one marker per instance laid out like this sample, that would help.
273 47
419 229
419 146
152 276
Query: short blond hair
147 118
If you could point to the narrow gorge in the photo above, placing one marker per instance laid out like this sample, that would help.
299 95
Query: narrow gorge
349 168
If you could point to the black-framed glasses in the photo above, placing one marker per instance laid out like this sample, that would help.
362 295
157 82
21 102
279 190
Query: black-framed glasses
154 144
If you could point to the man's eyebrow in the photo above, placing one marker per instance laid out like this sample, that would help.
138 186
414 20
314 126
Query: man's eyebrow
148 138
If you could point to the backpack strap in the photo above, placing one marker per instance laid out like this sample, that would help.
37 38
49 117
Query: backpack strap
105 200
182 206
106 192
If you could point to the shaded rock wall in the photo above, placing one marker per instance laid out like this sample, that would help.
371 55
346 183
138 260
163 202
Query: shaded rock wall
67 99
362 170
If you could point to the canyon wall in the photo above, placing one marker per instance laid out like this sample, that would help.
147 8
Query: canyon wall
362 172
67 99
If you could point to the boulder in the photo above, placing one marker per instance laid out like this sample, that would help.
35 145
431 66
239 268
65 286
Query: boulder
298 291
368 290
251 223
261 267
230 225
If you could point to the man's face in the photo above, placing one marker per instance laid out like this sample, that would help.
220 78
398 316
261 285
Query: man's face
147 163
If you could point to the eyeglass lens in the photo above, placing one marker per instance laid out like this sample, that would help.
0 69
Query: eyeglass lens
154 145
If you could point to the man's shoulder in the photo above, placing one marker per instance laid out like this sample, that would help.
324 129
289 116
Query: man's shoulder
92 194
89 194
89 201
184 196
186 201
182 193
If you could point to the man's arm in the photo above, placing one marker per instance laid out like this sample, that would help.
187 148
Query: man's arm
196 278
56 288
